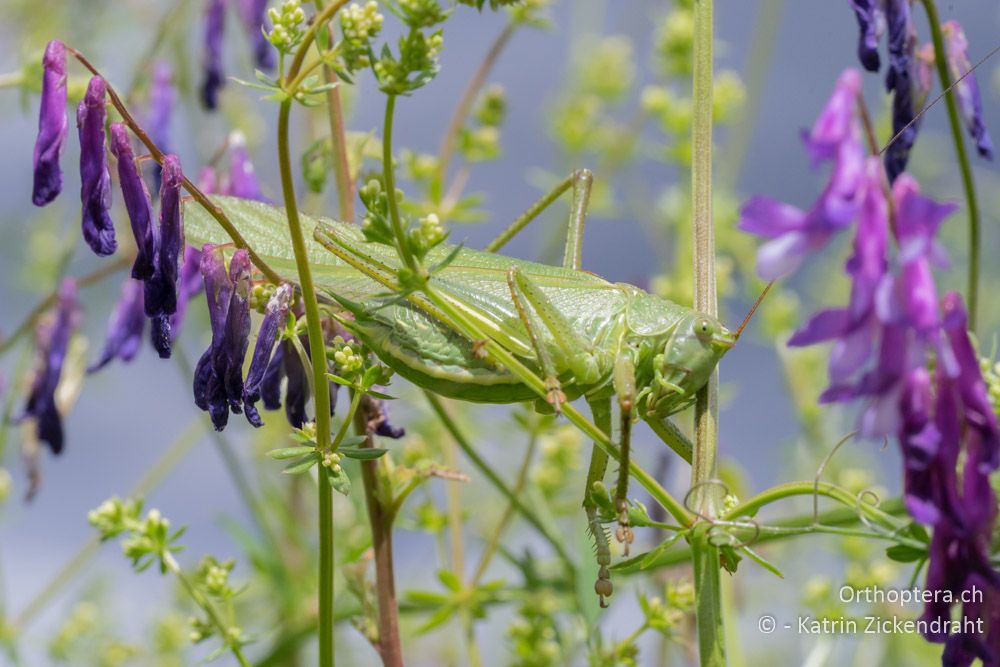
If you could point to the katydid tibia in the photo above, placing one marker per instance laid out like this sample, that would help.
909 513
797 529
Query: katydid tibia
492 329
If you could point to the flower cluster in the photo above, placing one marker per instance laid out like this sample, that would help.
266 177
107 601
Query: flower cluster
359 24
287 30
910 73
907 354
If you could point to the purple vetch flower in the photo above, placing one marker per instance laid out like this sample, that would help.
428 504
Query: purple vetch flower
274 319
794 233
967 88
253 14
161 289
854 328
871 23
286 364
242 180
53 336
137 203
208 181
900 80
95 179
124 326
162 98
218 378
382 425
52 125
214 79
270 384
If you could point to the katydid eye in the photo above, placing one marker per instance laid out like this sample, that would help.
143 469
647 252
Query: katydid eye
704 328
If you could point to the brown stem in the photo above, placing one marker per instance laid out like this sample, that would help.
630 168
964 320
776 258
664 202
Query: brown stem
389 646
447 148
198 195
338 139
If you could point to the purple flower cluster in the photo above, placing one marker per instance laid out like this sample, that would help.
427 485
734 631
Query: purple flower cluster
892 330
95 179
214 78
910 74
52 342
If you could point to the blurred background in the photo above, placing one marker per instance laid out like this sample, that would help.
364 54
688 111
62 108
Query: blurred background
786 55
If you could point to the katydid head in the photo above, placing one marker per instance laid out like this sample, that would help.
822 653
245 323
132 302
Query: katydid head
686 361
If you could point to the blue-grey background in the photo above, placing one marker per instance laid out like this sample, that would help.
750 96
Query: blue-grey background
128 414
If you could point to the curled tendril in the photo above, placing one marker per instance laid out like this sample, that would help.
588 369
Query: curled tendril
708 482
822 468
718 534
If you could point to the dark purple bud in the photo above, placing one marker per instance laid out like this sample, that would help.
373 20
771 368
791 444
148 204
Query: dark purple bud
260 363
214 79
53 336
900 81
382 425
161 289
95 179
270 385
209 392
920 440
52 124
233 348
966 88
253 13
242 178
137 203
124 326
870 20
296 387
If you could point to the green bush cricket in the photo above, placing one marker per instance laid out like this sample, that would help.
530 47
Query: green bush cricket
492 329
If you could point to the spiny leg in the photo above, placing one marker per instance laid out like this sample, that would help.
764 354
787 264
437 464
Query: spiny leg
581 181
601 409
672 436
624 383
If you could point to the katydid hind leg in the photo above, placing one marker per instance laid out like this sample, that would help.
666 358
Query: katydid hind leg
580 181
601 409
624 383
555 396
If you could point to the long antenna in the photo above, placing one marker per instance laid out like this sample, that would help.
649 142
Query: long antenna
753 309
937 99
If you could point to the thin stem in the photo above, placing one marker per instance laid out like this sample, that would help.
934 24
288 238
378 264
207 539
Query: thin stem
707 495
199 196
508 513
321 388
93 278
965 168
490 474
533 211
177 450
11 79
318 22
380 520
388 175
338 140
453 493
464 106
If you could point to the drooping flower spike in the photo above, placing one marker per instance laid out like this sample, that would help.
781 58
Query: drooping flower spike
137 203
95 179
125 326
794 233
161 289
274 319
214 79
871 21
53 336
52 126
966 88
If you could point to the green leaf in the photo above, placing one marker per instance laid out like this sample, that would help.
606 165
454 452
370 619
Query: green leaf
904 553
378 394
763 562
290 452
653 556
339 481
339 380
361 453
450 580
301 466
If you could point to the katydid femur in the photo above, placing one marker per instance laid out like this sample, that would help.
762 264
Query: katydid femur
487 328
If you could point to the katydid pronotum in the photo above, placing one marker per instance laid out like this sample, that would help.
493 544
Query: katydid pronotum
491 329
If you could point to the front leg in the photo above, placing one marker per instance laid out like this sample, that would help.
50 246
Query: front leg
624 383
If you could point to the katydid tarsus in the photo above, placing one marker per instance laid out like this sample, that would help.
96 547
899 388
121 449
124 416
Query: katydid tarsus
492 329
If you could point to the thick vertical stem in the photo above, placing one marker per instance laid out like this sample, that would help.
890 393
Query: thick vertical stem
317 349
968 184
389 645
705 496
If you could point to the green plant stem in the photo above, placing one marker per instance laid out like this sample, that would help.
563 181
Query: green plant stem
965 168
206 605
321 388
388 175
177 450
706 495
808 488
488 472
338 140
380 519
